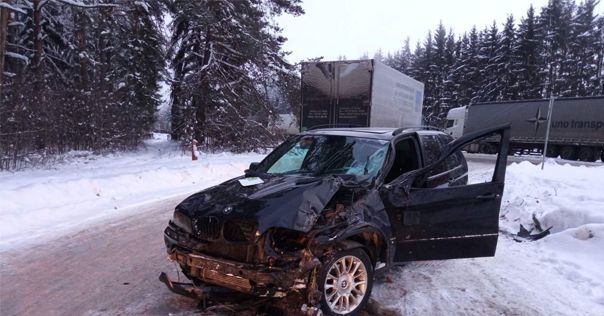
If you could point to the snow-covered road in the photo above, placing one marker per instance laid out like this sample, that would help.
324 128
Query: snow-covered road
85 238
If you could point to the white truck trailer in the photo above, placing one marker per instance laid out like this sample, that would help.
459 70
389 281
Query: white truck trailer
359 93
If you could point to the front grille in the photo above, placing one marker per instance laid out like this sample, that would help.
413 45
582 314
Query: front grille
236 231
206 227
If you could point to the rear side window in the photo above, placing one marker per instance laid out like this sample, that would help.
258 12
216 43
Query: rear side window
434 146
405 158
453 161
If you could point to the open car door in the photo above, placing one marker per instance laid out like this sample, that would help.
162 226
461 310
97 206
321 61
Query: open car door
438 216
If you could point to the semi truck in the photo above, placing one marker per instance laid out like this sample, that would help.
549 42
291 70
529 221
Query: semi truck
358 93
576 127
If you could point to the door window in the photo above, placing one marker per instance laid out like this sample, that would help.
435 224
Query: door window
405 158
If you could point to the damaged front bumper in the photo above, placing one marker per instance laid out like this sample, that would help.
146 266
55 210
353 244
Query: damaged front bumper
184 289
190 290
251 279
270 265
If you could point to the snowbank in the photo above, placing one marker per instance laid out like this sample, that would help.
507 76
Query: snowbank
87 188
561 196
570 200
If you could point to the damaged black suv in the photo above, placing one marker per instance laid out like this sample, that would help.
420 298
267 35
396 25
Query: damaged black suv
329 208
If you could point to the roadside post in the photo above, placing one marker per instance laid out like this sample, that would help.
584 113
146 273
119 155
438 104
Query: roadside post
194 150
550 108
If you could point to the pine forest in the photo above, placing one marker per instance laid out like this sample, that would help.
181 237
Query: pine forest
86 74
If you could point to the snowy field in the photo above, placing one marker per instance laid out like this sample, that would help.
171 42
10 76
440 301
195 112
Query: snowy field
562 272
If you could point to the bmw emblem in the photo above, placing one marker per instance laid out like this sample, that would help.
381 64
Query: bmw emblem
227 210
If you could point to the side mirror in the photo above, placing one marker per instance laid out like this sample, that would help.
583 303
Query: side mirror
252 170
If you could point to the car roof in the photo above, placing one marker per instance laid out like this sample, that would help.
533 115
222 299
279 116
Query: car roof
384 133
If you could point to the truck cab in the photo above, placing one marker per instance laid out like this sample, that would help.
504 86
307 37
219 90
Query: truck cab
455 121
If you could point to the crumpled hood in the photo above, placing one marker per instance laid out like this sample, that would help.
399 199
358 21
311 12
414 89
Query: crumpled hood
288 201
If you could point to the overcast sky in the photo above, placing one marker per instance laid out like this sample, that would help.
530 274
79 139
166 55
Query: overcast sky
351 28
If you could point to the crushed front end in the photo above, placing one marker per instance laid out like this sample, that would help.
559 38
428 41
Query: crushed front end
235 255
222 245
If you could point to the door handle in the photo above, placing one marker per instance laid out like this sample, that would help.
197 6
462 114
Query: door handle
488 196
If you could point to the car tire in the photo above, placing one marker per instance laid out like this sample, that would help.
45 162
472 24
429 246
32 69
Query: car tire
345 282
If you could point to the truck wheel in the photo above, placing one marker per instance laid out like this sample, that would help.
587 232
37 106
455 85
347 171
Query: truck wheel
587 154
473 148
553 151
345 282
568 153
488 148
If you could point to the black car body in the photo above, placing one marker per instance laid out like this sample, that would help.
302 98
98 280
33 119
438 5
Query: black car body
335 199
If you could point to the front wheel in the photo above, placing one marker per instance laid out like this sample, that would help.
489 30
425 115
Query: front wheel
345 282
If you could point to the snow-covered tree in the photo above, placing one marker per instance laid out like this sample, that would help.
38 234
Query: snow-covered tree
224 54
554 26
401 60
439 69
80 74
559 52
527 62
507 84
585 44
472 67
489 65
597 87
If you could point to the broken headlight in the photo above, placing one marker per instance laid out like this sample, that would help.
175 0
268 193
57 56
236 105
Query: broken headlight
183 221
286 240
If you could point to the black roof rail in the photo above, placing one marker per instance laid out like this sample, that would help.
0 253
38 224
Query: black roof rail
423 127
334 126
